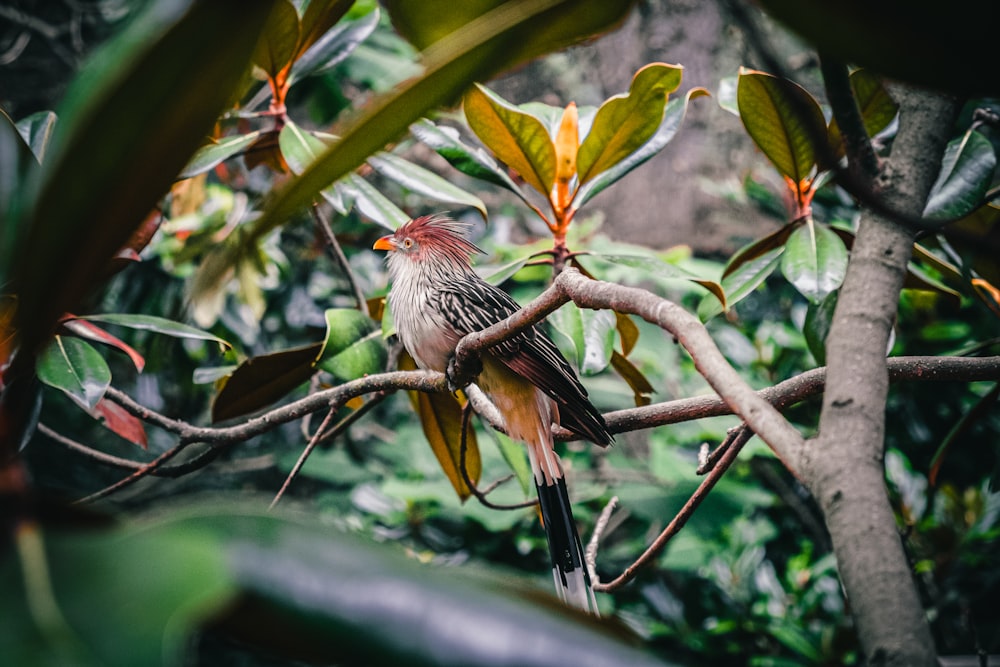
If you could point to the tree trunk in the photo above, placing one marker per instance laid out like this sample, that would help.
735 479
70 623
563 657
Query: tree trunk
843 466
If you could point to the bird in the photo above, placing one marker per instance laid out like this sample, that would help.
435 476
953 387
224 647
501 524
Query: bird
436 298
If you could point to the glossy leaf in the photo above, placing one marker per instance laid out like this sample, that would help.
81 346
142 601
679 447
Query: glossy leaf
279 42
373 204
470 160
353 346
335 44
217 152
815 261
508 34
85 329
672 117
37 131
122 423
877 108
760 247
155 324
819 316
518 139
16 163
318 19
130 121
567 320
441 420
783 120
262 380
300 148
625 122
424 182
598 339
74 367
741 283
966 173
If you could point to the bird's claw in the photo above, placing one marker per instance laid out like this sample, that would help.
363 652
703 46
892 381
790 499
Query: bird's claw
459 377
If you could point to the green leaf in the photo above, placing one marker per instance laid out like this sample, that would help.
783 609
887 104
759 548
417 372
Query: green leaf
300 149
115 613
598 339
424 182
353 346
815 260
503 35
819 316
279 42
876 107
567 320
213 154
516 456
318 19
17 163
760 247
333 45
966 173
470 160
741 283
726 94
518 139
37 131
625 122
262 380
155 324
372 203
672 117
74 367
133 117
441 420
783 120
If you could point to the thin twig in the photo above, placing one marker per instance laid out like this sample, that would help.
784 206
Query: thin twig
302 458
480 495
144 471
339 256
590 554
737 439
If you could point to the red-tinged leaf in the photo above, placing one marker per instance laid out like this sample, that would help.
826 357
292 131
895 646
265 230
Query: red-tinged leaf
121 423
760 247
86 329
266 150
260 381
441 420
641 388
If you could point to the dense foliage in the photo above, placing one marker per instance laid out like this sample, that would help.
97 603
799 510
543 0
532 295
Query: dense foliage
180 370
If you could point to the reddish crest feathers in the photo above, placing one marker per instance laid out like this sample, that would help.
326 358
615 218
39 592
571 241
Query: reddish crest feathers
438 234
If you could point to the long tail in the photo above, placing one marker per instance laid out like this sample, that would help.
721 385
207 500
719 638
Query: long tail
569 569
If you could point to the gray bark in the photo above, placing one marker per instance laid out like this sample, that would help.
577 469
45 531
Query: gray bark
843 466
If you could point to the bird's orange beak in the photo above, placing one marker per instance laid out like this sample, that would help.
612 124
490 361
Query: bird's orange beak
384 243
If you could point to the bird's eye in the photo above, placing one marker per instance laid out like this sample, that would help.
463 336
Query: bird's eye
407 243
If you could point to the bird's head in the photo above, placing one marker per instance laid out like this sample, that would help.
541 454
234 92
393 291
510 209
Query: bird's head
430 238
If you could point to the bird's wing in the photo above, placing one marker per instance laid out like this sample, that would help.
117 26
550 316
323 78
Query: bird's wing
472 305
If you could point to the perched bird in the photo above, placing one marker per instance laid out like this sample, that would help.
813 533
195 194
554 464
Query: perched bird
436 299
